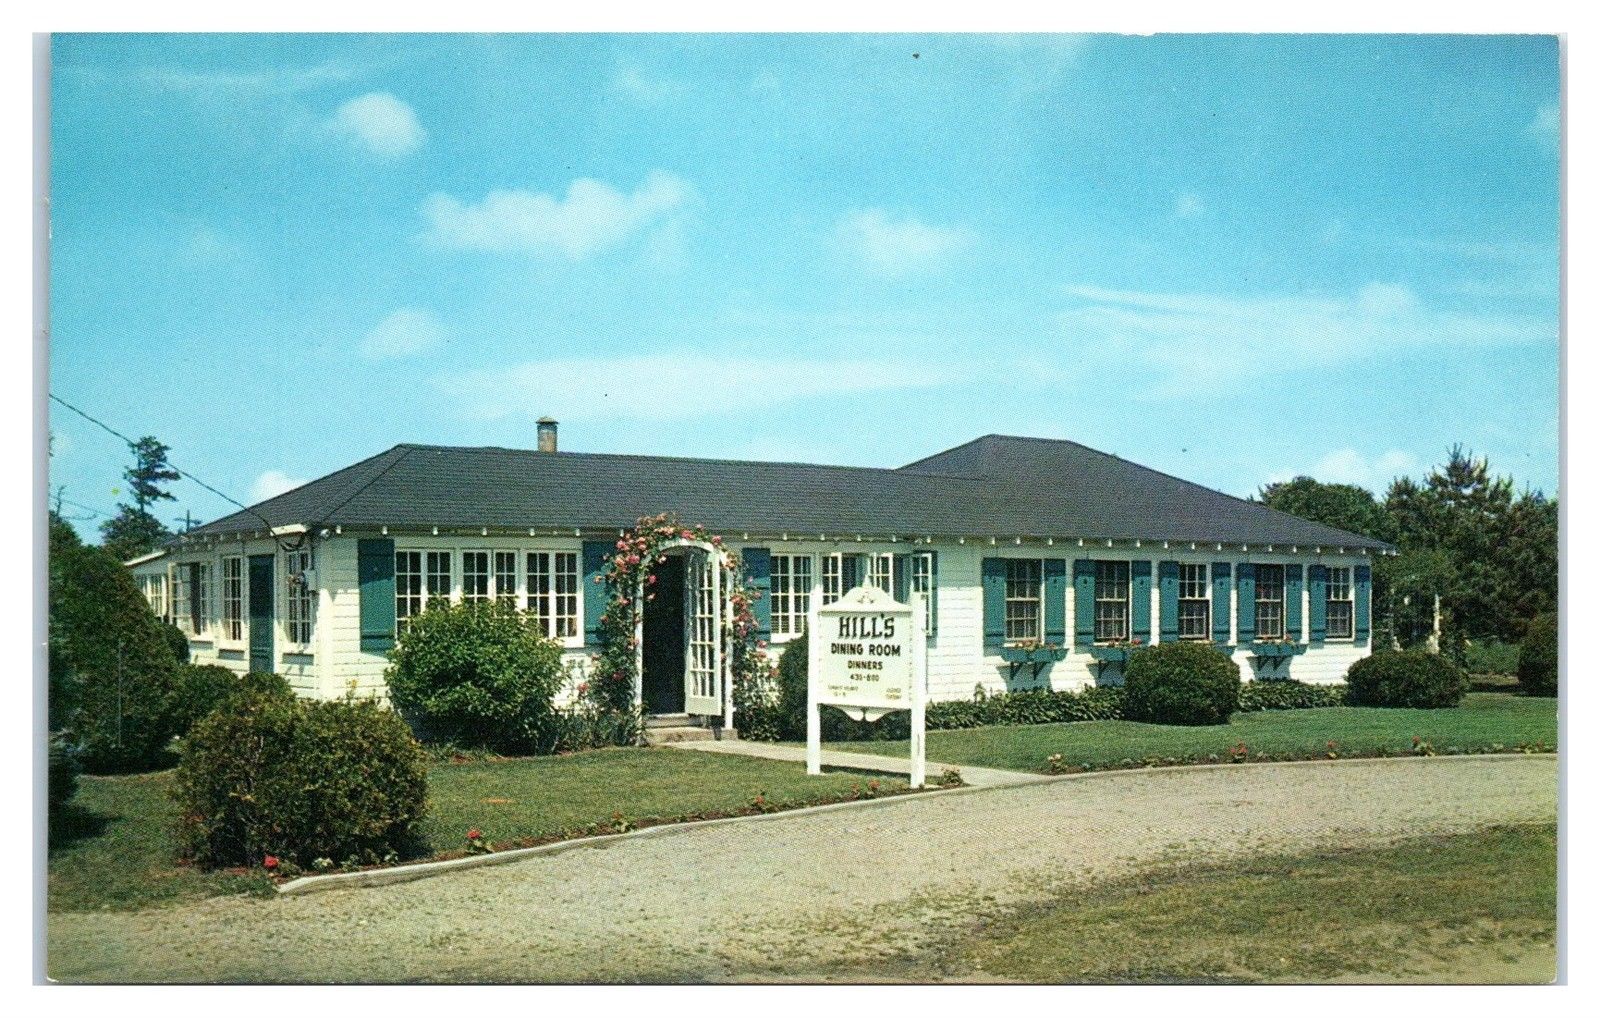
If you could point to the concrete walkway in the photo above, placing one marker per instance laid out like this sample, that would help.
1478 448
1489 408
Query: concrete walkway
977 777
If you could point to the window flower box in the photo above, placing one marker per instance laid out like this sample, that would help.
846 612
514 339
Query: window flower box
1275 649
1032 653
1115 653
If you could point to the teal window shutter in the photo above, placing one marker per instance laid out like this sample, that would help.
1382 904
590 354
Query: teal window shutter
994 603
902 579
1363 594
851 573
1292 589
758 574
1141 600
1083 602
1247 603
1055 601
1317 582
375 581
595 594
1167 577
1221 602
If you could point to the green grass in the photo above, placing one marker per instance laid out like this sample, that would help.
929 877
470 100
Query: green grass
113 846
112 849
1483 720
1477 907
530 798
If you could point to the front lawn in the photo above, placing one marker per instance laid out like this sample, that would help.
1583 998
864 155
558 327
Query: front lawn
1483 720
113 848
1477 907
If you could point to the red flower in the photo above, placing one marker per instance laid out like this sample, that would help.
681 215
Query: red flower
474 834
270 862
583 687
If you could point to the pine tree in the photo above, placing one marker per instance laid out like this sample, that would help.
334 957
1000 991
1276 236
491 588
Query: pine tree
135 529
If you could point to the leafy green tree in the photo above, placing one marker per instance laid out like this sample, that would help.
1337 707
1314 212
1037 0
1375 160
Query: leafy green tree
1345 506
111 668
135 529
1527 561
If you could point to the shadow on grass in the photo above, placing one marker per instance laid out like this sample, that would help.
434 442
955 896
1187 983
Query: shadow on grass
71 824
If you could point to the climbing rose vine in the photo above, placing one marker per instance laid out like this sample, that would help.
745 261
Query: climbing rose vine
631 568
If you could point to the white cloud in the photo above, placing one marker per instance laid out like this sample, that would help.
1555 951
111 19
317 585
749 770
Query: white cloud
1188 205
666 387
893 247
1185 338
1349 466
271 483
405 333
635 83
379 123
593 217
1546 127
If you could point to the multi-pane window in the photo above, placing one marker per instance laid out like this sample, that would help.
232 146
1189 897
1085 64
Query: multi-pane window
553 591
438 576
1341 604
1112 601
233 598
832 578
1024 603
300 599
1269 602
474 576
505 577
191 597
880 572
154 588
922 584
791 594
1194 602
407 586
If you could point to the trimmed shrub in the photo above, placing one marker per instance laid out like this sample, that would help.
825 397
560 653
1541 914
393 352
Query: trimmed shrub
201 689
300 780
479 675
1180 684
111 666
1287 694
177 641
1405 678
64 770
1539 664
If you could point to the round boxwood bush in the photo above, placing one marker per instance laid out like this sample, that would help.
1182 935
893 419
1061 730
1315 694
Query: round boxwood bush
1405 678
177 641
201 689
1537 664
111 667
1180 684
300 780
478 675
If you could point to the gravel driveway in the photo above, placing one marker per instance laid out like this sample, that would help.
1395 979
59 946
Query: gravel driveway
799 896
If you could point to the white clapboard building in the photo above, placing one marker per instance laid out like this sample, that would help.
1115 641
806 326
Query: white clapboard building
1040 562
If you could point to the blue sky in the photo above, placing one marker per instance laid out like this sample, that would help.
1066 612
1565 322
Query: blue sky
1234 258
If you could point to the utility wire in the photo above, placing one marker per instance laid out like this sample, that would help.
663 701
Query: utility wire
177 469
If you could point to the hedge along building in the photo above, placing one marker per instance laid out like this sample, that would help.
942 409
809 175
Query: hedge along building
1041 563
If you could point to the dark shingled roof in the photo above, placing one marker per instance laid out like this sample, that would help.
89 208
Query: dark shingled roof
995 485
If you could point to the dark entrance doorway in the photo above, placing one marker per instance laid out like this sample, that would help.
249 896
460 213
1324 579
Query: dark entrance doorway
261 613
663 639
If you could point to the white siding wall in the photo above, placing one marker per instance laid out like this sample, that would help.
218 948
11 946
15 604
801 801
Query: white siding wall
302 670
957 663
353 670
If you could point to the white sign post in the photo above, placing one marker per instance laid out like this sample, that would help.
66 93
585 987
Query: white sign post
868 657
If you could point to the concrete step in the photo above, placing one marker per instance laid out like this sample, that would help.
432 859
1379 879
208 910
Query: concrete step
659 735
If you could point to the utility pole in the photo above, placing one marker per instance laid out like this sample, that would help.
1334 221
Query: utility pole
188 521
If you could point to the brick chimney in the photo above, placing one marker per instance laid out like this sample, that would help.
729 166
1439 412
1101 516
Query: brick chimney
547 434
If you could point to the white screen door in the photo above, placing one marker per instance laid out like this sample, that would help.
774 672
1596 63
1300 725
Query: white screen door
702 692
